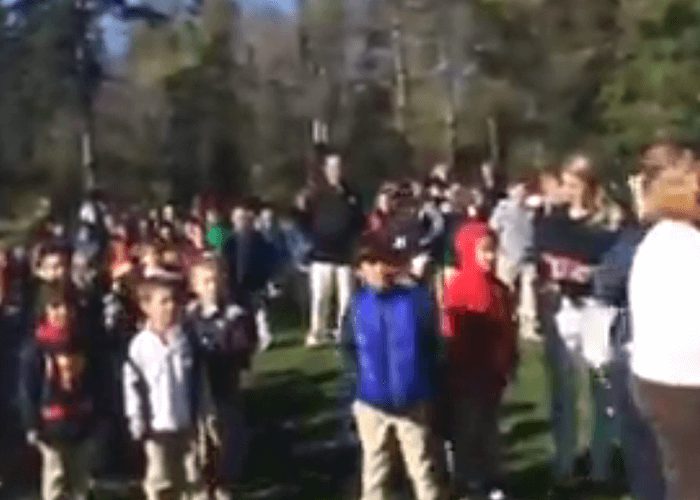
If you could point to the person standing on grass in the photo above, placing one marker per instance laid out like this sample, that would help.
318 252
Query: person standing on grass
250 262
167 396
482 351
663 305
389 338
570 242
639 447
513 223
335 221
62 397
227 336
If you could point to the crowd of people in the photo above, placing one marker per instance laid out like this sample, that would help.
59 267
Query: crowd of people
129 330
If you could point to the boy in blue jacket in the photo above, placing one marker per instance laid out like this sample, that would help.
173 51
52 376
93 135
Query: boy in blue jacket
389 336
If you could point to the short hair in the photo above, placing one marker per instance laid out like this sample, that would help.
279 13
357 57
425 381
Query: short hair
207 261
147 286
373 249
53 249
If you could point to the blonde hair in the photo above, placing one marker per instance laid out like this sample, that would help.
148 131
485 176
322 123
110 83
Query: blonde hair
671 181
581 166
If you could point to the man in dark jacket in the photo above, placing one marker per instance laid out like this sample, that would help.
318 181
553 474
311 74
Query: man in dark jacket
335 221
389 338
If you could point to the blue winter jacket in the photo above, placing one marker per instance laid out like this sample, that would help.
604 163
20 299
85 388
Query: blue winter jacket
390 339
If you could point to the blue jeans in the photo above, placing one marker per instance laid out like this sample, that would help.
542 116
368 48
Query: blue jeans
565 372
641 452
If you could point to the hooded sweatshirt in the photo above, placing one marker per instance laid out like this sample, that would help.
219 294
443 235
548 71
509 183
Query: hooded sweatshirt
479 326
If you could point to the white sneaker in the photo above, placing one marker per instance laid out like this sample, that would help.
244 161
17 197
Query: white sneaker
264 344
497 494
313 341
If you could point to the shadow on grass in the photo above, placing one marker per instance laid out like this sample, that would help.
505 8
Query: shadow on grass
282 405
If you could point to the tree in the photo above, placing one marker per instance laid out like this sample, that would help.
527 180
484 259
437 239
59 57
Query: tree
653 92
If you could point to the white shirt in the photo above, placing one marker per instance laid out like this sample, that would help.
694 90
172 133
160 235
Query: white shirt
664 292
165 368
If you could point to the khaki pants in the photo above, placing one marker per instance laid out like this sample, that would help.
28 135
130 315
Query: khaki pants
172 468
412 430
324 276
65 470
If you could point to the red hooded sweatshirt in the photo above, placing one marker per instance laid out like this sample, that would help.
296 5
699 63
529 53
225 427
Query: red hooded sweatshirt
479 322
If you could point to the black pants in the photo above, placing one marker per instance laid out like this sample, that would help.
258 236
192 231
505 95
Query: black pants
674 413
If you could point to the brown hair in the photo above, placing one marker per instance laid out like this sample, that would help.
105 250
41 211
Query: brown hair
671 180
147 286
580 166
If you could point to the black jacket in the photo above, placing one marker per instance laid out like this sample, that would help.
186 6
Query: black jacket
59 415
226 341
250 261
335 222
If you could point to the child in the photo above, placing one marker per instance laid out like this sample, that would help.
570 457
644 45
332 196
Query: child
481 347
227 336
166 395
51 269
61 396
389 337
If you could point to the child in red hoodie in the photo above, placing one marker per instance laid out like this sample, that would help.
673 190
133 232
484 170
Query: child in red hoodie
481 349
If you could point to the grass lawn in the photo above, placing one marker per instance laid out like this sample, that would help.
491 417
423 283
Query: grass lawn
293 406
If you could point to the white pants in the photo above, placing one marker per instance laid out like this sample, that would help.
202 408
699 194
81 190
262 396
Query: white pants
263 324
324 276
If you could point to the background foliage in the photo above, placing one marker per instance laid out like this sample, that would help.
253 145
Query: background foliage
221 97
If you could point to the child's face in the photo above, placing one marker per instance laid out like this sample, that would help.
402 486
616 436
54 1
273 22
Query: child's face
242 219
485 254
170 257
205 284
57 314
70 367
53 268
160 309
150 257
376 275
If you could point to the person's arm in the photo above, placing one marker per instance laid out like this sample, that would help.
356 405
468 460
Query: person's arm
496 220
135 394
29 390
348 345
611 277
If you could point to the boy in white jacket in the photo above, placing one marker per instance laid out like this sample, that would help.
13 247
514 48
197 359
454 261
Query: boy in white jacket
166 396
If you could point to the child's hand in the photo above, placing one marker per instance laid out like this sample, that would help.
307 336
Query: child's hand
137 430
212 427
33 437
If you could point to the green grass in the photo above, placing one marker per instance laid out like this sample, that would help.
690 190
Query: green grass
293 383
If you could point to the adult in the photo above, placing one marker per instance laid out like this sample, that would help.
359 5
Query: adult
335 222
569 243
639 447
663 307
